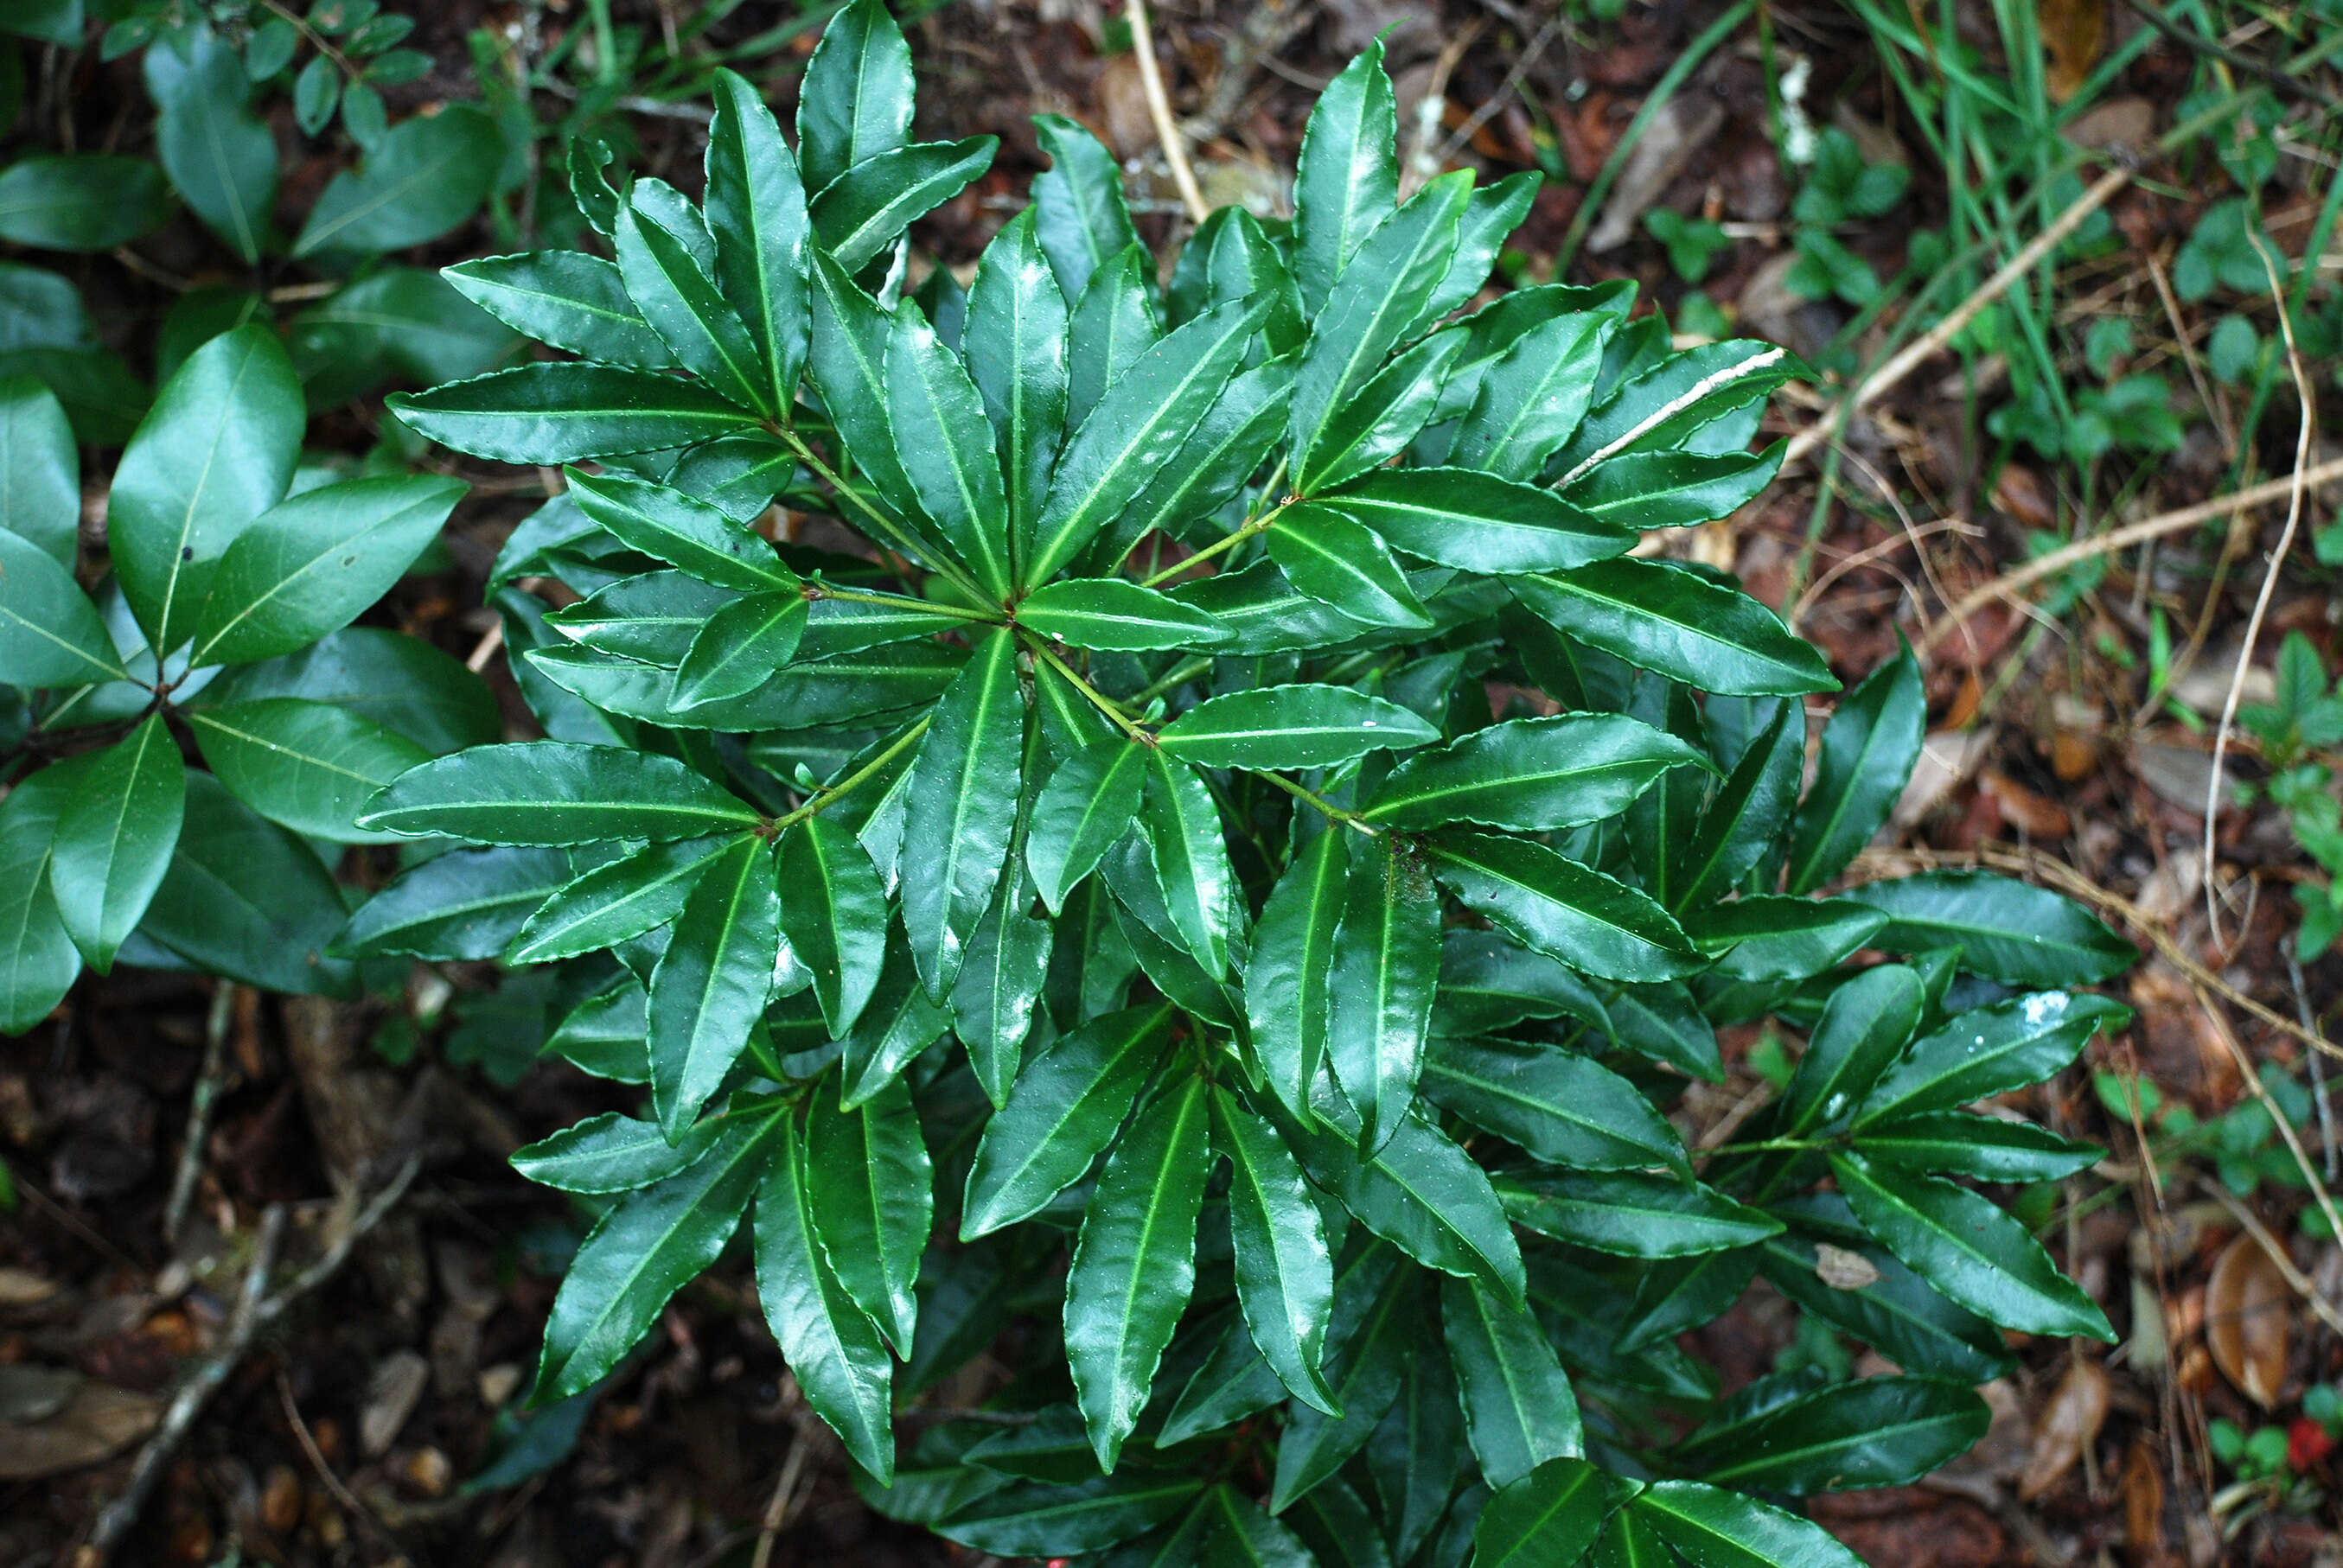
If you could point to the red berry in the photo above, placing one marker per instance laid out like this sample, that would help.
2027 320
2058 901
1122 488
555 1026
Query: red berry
2307 1446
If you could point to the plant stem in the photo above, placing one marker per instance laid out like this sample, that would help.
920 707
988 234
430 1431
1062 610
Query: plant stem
1104 704
1227 542
1332 812
1763 1146
821 800
852 595
903 543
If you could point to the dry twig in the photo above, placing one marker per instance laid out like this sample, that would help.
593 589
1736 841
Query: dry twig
1159 109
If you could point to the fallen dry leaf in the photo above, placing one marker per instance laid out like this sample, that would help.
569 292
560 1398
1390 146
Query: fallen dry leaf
2041 817
2073 34
22 1288
98 1422
2069 1424
2248 1321
1842 1270
2143 1503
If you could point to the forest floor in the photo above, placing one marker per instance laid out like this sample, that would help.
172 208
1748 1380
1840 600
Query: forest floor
2112 403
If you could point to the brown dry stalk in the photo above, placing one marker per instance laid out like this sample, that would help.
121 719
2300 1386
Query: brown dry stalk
1159 109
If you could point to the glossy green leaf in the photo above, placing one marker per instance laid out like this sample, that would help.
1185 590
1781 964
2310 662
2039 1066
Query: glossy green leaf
563 411
1900 1315
999 986
645 1248
1551 1515
740 647
1061 1114
1341 562
962 807
1868 750
834 914
1266 613
856 99
1564 1108
1232 1382
214 452
219 154
1088 804
461 905
1489 982
309 765
1657 410
942 440
1491 216
897 1025
1414 1455
1863 1027
710 988
872 1190
757 217
1211 465
615 901
1113 324
1112 613
683 303
1530 774
860 214
1593 923
1286 994
836 625
1134 1261
1382 417
1677 1294
1774 937
568 298
1139 425
114 838
832 1348
1532 396
614 1153
1967 1249
1988 1050
1627 1212
1033 1518
554 792
1873 1432
417 182
1192 859
1015 344
1347 181
1744 819
50 634
686 533
1674 622
1379 1316
1421 1193
1079 215
1385 965
245 899
1519 1410
1676 489
1713 1528
81 201
313 563
38 961
1477 522
2007 930
40 471
1286 1273
1984 1147
1272 727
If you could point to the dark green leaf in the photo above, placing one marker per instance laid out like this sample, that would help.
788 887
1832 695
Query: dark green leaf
1591 921
1478 522
1900 1315
1530 774
1745 818
1286 1273
1033 1519
872 1192
1519 1410
1135 1262
757 217
1627 1212
1192 859
50 634
2007 930
1988 1050
1378 1317
309 765
832 1348
1551 1515
1063 1110
710 988
1563 1108
80 201
219 154
942 441
246 900
1676 489
1774 937
999 984
1113 324
1265 613
1985 1147
614 1153
1713 1528
313 563
1348 178
1489 982
1079 214
1287 1000
562 411
1863 1029
962 807
1967 1248
1671 620
1015 344
1868 750
686 533
1421 1193
1111 613
645 1248
40 471
567 298
1385 965
898 1023
1387 413
672 288
1341 562
859 214
1680 1294
1220 455
38 961
555 792
1874 1432
856 99
1088 804
740 649
1657 409
426 176
214 452
1274 727
1532 396
462 905
835 917
614 902
114 838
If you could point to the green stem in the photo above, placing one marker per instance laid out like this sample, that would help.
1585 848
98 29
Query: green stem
1227 542
1763 1146
899 601
1104 704
1309 797
1180 674
821 800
